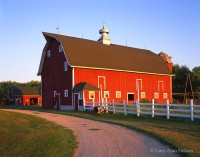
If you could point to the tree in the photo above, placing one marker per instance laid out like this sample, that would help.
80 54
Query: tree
179 80
196 78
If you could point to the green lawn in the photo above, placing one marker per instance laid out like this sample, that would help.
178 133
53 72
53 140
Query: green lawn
180 133
25 135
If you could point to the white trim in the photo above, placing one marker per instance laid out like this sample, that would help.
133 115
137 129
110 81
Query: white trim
72 78
80 95
120 93
137 80
165 95
93 95
156 95
104 81
143 95
60 48
66 93
83 67
108 93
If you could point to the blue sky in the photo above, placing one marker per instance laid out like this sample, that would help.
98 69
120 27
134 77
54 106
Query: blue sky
171 26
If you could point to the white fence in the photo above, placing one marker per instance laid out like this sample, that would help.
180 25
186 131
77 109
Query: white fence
169 110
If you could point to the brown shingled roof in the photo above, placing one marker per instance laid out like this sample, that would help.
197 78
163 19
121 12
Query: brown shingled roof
84 86
93 54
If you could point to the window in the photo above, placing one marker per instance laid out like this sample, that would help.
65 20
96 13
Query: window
156 95
91 95
118 94
143 94
60 48
65 66
48 53
106 94
54 94
65 93
130 97
80 95
165 95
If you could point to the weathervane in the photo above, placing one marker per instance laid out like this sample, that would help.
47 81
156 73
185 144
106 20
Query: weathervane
103 22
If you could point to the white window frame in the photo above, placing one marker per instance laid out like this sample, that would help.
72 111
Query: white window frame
66 93
156 95
118 94
165 95
143 95
54 94
106 93
65 66
93 93
133 96
48 53
60 48
80 95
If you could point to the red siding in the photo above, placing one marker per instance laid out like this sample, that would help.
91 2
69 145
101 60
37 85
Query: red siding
125 82
54 78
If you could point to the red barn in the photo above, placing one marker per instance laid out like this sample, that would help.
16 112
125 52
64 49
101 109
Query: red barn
74 68
25 96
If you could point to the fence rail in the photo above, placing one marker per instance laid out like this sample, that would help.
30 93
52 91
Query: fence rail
169 110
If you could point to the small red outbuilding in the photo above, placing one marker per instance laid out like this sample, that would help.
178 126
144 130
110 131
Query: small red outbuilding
25 96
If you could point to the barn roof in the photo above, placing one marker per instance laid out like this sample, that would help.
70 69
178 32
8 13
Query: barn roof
24 91
84 86
93 54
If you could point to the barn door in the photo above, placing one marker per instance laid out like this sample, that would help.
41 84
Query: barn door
76 101
56 100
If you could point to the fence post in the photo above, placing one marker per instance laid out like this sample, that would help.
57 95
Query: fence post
83 104
152 108
106 106
138 108
191 110
93 103
124 108
167 101
113 104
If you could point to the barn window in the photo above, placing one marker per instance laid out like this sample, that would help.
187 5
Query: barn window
65 66
65 93
106 94
165 95
91 95
143 94
48 53
60 48
156 95
118 94
80 95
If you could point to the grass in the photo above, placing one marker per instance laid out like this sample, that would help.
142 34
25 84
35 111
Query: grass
179 133
25 135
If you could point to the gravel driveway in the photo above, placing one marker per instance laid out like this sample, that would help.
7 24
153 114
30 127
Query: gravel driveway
98 139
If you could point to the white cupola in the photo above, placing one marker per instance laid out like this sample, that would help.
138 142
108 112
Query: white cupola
104 36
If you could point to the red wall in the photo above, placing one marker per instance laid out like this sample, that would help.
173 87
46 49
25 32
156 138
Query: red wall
54 78
125 82
25 99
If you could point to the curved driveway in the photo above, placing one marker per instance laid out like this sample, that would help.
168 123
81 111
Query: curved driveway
98 139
